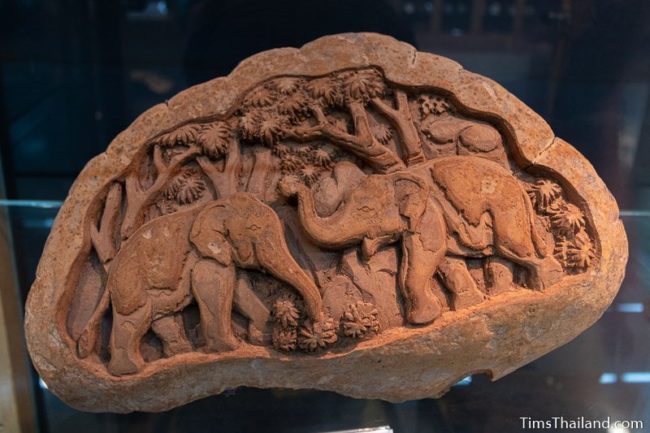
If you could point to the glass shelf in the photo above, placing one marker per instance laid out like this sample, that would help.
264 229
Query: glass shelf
605 372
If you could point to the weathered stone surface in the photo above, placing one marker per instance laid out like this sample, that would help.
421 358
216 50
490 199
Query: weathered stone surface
352 216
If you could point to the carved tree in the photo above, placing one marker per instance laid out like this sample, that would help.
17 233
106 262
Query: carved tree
304 111
102 235
171 151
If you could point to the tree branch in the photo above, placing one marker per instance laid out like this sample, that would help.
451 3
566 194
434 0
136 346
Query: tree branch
224 182
103 237
158 161
137 199
362 143
402 120
261 169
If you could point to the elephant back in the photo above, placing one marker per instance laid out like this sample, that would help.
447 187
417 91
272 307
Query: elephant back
146 262
475 185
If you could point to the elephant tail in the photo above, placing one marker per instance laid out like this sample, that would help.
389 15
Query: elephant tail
88 337
539 243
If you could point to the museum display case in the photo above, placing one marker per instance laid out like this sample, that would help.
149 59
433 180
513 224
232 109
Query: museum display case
98 66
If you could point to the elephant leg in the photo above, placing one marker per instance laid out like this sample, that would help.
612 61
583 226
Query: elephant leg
249 305
500 273
276 259
546 272
514 240
460 283
542 273
126 337
171 332
213 286
417 268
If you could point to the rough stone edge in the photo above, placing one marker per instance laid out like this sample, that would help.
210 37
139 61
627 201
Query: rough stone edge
402 64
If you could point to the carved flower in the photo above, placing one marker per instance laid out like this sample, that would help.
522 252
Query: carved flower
543 193
309 175
381 132
285 311
286 85
259 97
215 139
291 163
317 335
183 136
568 218
325 89
295 106
186 188
360 320
576 253
284 339
433 105
362 85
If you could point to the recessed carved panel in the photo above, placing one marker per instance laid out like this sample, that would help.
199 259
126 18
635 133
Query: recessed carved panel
318 214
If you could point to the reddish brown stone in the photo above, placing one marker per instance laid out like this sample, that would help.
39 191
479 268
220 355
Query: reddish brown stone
352 216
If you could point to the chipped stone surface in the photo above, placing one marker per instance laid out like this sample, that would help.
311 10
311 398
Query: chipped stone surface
340 318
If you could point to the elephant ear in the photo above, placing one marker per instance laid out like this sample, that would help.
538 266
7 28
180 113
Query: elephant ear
412 201
208 237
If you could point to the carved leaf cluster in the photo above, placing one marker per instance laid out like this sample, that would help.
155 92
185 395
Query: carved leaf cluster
326 91
187 187
360 320
291 331
382 133
433 104
181 136
285 339
575 253
305 163
285 315
213 139
574 247
286 311
317 335
544 194
362 85
263 126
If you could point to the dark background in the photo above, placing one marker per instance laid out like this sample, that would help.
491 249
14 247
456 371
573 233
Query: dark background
76 72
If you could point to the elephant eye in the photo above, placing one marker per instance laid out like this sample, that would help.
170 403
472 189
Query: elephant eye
366 209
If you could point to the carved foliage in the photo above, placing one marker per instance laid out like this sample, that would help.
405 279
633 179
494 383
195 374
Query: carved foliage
573 245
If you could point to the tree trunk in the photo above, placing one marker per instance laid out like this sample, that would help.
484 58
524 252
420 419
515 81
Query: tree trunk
402 120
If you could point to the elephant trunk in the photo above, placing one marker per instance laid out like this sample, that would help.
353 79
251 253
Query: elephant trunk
333 231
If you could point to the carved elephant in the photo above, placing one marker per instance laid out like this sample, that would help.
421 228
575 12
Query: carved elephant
460 205
191 255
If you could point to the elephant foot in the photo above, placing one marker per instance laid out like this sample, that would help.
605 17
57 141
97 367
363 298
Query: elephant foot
221 344
121 364
422 313
468 298
175 348
545 274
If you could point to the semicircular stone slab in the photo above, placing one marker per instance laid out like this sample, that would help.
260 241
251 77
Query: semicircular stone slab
352 216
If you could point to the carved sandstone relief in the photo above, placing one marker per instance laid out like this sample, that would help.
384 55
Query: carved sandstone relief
319 215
